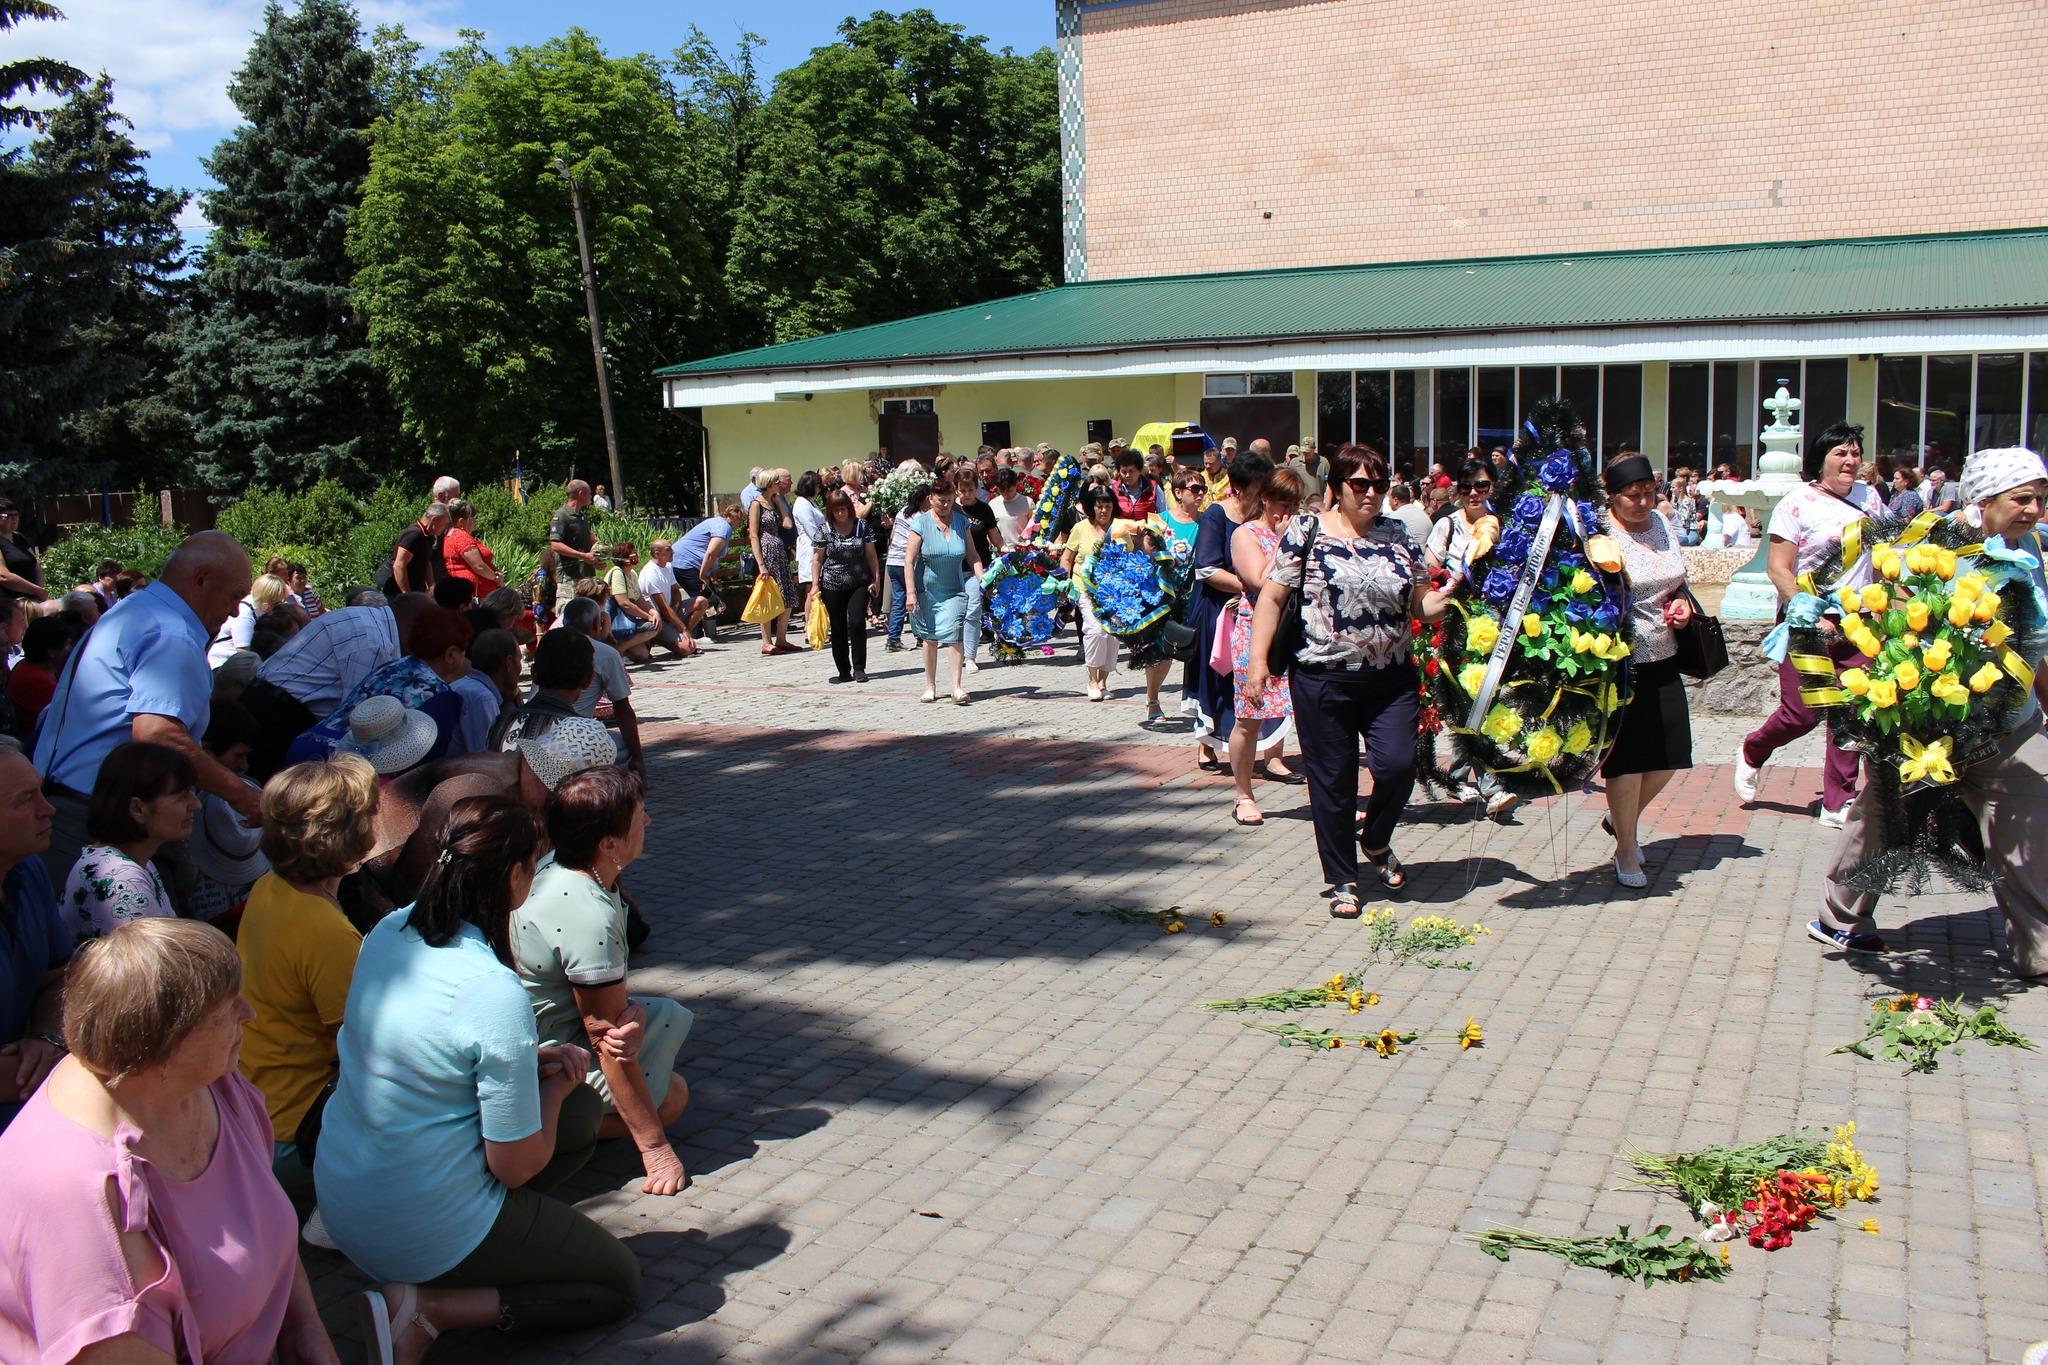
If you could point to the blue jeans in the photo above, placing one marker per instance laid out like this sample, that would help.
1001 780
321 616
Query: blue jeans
895 604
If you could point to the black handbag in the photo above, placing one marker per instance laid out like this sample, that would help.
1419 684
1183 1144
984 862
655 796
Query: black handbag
307 1138
1178 639
1290 635
1702 646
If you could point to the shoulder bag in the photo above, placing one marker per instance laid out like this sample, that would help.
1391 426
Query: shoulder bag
1290 635
1702 645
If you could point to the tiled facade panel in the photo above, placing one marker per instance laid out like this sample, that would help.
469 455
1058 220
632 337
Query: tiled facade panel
1375 130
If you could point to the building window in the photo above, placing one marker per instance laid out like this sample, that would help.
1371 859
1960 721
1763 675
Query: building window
908 405
1532 384
1898 409
2001 381
1946 409
1824 394
1373 412
2037 402
1685 417
1496 408
1239 385
1333 409
1453 389
1621 409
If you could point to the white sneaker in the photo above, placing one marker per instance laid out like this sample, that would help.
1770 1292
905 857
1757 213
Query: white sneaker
1501 803
315 1231
1745 778
972 667
1834 819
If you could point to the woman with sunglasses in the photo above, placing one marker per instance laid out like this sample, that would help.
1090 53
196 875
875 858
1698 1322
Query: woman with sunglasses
1450 548
1655 738
1363 585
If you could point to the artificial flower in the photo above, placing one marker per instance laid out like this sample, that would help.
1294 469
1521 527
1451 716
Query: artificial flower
1969 585
1984 679
1532 625
1485 535
1884 693
1944 563
1935 657
1910 640
1583 582
1997 633
1605 554
1949 689
1987 607
1499 587
1916 613
1558 471
1927 762
1889 565
1174 926
1876 597
1959 609
1582 640
1502 724
1916 560
1855 681
1472 677
1579 740
1907 676
1544 745
1336 1043
1851 600
1482 634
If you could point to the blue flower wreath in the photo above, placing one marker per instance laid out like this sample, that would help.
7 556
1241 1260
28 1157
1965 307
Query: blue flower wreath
1558 472
1126 588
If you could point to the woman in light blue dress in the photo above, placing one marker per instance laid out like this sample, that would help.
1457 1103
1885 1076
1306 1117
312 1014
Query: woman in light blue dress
940 553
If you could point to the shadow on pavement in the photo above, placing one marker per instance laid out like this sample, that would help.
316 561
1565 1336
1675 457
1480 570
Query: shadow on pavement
1962 953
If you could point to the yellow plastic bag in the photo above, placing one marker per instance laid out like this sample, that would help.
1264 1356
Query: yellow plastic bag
817 625
764 604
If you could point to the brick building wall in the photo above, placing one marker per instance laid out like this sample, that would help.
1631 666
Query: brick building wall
1376 130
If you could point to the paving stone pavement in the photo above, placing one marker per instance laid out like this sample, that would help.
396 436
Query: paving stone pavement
941 1113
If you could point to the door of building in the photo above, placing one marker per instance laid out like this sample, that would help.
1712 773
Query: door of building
1277 417
908 429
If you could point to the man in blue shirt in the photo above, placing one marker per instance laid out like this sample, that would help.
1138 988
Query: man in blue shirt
34 941
141 674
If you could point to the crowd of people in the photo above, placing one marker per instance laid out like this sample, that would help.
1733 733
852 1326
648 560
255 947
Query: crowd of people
314 919
324 939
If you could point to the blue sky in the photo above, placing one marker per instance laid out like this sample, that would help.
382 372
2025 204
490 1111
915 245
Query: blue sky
171 59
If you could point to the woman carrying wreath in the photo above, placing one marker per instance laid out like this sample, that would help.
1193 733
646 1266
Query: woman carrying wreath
2004 491
1363 587
1655 737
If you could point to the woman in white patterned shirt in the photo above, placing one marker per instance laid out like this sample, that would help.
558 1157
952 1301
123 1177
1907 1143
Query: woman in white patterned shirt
142 800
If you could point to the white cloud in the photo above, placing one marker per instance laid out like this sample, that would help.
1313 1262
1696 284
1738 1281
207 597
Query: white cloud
171 63
192 218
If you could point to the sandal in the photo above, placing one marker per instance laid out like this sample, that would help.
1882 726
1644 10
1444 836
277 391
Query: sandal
1344 902
1237 812
1392 875
959 698
927 695
382 1321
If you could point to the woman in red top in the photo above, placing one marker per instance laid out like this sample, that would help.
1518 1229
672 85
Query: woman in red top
465 555
32 682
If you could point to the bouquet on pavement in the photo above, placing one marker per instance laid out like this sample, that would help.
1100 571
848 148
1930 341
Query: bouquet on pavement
1943 625
1530 670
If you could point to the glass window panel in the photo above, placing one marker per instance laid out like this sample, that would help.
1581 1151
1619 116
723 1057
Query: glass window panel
1826 395
1496 408
1273 383
1410 435
1726 418
1581 388
1898 411
1333 409
2037 401
1538 382
1223 386
1948 412
1998 402
1685 425
1621 411
1453 415
1375 398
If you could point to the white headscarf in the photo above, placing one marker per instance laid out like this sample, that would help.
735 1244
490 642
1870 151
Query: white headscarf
1988 473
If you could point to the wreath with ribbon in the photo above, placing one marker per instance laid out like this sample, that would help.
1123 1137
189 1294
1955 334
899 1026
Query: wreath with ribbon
1530 671
1023 589
1928 673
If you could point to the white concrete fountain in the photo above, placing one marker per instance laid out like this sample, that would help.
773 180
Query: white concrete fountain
1751 596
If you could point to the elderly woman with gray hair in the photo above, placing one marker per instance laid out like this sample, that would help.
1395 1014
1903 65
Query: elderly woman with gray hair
767 515
2003 492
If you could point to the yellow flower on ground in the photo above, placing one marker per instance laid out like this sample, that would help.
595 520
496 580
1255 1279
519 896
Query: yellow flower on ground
1949 688
1876 597
1870 1226
1388 1043
1580 739
1916 613
1907 675
1855 681
1470 1036
1935 657
1336 1043
1472 677
1372 997
1532 625
1883 693
1357 1001
1502 724
1544 745
1984 679
1174 926
1582 582
1217 919
1724 1254
1482 634
1997 633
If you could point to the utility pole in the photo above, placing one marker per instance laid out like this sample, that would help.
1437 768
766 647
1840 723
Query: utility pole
604 383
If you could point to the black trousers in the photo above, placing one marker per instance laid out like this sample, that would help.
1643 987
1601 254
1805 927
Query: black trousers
847 609
1333 709
280 719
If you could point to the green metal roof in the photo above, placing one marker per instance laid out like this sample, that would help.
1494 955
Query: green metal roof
1986 272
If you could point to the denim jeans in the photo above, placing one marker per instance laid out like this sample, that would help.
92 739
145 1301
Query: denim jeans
895 604
970 624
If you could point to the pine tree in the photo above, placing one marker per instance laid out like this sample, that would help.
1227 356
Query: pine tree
41 374
272 359
123 257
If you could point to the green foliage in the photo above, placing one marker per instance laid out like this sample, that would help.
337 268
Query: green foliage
466 251
269 518
143 547
1657 1256
903 169
272 359
1914 1030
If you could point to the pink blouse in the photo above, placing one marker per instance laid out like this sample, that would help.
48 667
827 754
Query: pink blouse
228 1238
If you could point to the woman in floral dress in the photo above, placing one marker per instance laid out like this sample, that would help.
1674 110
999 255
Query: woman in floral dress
142 800
1251 550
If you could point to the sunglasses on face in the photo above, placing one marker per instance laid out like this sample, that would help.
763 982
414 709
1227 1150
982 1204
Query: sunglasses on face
1482 486
1363 486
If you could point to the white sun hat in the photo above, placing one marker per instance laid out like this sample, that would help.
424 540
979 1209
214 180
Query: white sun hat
387 734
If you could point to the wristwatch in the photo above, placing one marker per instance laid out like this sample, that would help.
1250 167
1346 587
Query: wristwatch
55 1040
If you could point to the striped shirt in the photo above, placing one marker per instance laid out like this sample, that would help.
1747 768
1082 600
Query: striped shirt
323 662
